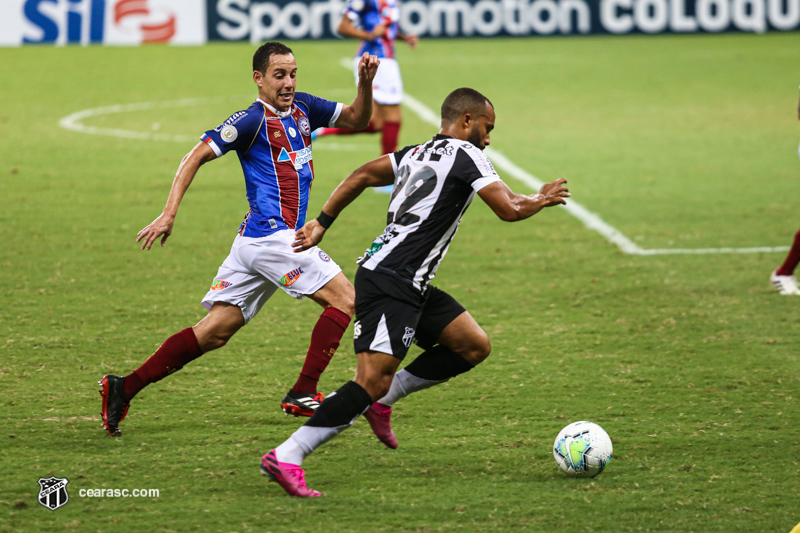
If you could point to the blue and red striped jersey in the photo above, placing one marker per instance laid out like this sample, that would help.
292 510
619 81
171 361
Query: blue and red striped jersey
366 14
274 150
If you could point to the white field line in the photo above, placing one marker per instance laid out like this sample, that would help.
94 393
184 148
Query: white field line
74 122
589 219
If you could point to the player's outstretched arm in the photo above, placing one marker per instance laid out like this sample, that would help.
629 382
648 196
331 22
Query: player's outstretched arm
376 173
510 206
357 115
162 226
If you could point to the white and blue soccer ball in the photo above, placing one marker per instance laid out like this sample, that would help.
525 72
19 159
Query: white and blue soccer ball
582 449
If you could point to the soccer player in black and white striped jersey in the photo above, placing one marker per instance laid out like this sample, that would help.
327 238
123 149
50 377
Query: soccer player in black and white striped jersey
434 183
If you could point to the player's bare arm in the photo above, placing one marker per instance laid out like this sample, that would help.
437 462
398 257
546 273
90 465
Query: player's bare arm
376 173
357 115
162 226
510 206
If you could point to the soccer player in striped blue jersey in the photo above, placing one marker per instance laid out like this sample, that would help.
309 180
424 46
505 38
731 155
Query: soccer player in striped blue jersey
272 139
376 24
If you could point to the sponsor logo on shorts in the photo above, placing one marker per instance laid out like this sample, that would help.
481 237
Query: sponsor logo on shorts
290 277
219 284
324 256
408 337
357 329
305 127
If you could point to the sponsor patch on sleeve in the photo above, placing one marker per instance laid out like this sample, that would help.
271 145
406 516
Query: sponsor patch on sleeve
229 133
484 165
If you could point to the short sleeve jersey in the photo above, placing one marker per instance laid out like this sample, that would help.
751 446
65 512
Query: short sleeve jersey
274 150
366 14
435 182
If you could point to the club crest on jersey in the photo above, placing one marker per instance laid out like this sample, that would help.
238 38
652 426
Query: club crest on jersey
218 285
53 492
305 127
290 277
324 256
298 158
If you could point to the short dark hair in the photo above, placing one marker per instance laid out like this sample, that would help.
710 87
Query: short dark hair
265 51
461 101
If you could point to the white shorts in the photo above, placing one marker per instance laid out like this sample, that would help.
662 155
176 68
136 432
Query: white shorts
256 267
387 87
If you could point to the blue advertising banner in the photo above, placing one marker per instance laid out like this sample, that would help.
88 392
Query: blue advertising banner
259 20
109 22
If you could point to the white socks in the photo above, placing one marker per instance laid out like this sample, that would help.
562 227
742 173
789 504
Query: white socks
403 384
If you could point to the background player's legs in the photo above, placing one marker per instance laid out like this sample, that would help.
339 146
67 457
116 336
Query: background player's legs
324 132
792 259
390 120
385 119
337 297
783 279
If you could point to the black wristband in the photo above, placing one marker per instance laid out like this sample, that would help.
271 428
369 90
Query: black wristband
325 220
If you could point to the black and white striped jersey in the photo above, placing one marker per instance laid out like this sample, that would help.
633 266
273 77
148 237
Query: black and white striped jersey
434 184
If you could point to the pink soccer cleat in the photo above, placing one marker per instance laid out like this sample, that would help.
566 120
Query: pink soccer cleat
378 416
291 477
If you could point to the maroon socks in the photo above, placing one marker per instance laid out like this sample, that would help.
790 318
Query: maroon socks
788 266
176 351
325 340
389 136
182 348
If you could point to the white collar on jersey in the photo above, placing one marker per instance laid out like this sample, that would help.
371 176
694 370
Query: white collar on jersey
279 113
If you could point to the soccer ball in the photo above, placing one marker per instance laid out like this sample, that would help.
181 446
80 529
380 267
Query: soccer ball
582 449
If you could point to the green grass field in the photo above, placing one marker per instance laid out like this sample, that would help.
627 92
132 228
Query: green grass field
690 362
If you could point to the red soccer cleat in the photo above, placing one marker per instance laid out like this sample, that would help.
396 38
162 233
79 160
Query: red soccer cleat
114 405
301 403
